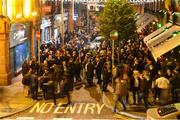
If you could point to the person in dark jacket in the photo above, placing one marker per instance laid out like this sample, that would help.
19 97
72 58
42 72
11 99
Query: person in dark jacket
105 77
135 85
47 76
98 67
143 89
25 67
66 88
77 71
89 68
121 91
175 86
33 85
70 70
57 76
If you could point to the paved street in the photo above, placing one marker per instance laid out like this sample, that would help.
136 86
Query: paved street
87 103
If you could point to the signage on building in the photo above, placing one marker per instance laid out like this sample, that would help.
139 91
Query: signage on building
46 9
46 23
38 34
57 21
18 34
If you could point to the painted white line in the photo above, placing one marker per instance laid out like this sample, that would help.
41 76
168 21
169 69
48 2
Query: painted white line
25 118
107 103
62 119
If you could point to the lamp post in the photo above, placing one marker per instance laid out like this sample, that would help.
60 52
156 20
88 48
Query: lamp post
62 21
113 36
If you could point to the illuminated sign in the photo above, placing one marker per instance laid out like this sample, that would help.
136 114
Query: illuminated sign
46 23
18 34
77 108
46 8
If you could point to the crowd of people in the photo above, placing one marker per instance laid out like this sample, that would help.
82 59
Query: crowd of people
62 66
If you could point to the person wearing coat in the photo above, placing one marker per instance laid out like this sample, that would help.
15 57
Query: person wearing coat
25 67
98 67
57 76
66 87
143 89
135 85
121 91
105 77
33 85
89 68
77 71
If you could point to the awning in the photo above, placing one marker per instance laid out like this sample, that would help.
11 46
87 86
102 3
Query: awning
141 18
163 36
168 45
147 21
163 42
144 20
157 32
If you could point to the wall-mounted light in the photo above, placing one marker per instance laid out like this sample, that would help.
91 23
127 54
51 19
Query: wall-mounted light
34 13
18 15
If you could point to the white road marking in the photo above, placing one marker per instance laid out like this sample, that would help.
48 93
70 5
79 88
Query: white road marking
25 118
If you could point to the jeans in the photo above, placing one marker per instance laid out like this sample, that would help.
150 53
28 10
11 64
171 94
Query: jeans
120 99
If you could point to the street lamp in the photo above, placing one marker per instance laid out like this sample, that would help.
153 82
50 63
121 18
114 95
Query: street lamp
113 36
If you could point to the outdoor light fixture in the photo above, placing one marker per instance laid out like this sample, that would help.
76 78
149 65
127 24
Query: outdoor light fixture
34 14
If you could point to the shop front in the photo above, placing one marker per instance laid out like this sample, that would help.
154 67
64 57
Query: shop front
46 30
57 26
19 46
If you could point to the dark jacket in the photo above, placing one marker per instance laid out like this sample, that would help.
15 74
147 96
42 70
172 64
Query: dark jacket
33 81
90 70
175 81
99 67
58 72
132 83
143 85
25 68
106 75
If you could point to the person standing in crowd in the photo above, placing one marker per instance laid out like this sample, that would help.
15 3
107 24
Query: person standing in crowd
143 89
175 86
105 77
89 68
26 83
57 76
43 67
67 86
121 91
33 84
25 67
77 69
47 76
135 85
98 67
70 70
50 62
168 74
163 86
